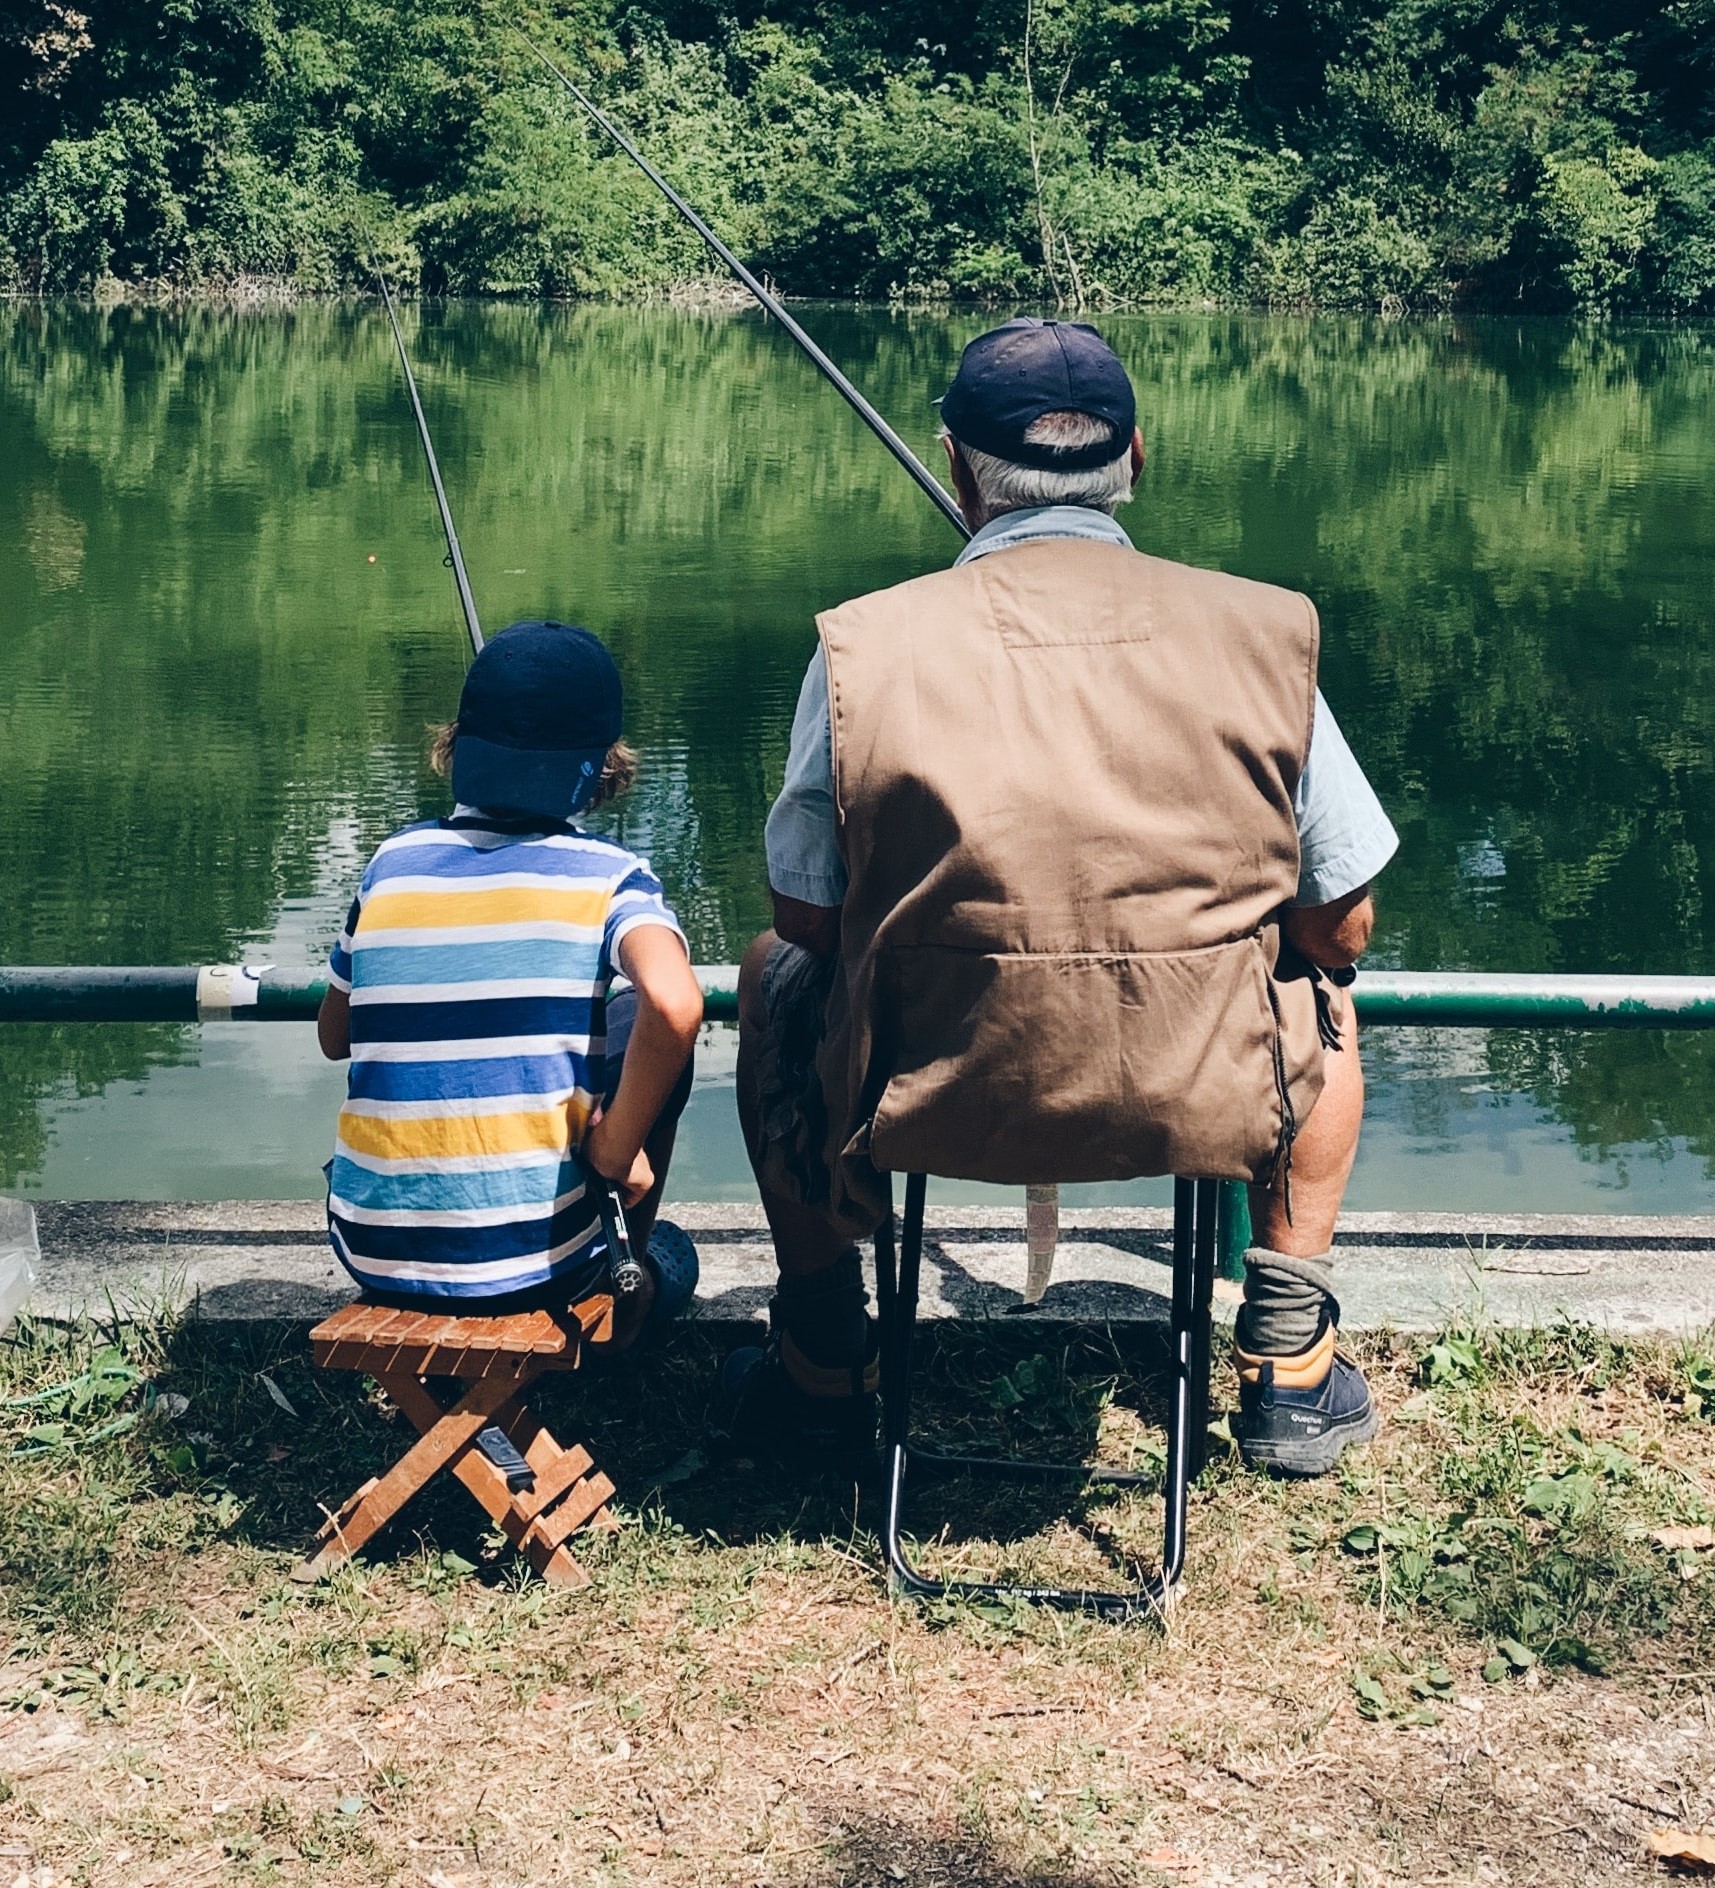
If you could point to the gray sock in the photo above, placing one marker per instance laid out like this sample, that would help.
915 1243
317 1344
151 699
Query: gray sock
1285 1302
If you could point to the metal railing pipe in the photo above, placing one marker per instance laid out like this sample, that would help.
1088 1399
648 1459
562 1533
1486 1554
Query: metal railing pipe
1455 999
85 994
210 993
1461 999
264 993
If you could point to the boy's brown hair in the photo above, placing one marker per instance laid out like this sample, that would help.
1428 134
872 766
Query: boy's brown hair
618 770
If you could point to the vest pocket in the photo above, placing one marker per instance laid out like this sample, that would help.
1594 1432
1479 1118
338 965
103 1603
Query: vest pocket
1080 1066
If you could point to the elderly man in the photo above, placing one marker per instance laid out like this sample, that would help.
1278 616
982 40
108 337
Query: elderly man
1070 862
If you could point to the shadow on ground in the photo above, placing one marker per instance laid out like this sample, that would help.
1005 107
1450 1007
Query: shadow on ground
876 1852
993 1390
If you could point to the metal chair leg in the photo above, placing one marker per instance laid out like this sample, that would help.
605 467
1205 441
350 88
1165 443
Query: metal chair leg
1194 1207
901 1297
1200 1270
886 1303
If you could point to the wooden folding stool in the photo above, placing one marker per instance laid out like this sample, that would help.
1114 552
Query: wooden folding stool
495 1360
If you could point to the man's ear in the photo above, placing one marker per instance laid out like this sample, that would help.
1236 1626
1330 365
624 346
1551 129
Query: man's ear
1136 453
970 500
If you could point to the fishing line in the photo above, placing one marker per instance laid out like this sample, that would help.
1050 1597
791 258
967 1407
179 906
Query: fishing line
770 304
455 557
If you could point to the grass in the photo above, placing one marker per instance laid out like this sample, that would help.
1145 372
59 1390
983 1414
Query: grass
1466 1658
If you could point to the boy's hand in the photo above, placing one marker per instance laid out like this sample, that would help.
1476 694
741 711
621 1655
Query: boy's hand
633 1178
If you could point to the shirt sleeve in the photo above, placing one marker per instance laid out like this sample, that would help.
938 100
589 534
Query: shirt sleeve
637 900
339 958
802 835
1344 836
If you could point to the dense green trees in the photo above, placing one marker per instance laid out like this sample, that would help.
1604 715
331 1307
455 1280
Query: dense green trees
1351 153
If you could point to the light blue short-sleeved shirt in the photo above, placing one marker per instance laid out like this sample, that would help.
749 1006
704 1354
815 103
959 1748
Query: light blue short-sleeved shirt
1344 837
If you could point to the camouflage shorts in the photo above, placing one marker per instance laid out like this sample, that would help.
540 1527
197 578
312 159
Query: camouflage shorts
792 1111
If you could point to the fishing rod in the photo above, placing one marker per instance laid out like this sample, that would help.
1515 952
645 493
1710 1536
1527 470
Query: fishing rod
455 557
770 304
625 1269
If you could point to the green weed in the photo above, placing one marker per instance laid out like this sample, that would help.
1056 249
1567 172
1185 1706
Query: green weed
1697 1384
1528 1534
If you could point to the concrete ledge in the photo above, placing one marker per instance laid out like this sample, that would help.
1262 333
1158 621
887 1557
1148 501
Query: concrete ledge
243 1259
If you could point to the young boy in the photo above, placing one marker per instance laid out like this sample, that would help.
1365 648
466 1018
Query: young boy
471 990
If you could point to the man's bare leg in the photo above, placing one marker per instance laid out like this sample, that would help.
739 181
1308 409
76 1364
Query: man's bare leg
1322 1159
1301 1403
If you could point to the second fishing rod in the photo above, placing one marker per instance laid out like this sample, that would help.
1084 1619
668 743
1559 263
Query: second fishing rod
769 302
455 556
625 1269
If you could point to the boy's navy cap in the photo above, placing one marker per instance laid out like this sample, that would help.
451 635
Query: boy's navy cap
1012 375
542 704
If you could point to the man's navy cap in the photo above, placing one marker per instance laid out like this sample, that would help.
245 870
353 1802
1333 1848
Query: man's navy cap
1009 377
542 704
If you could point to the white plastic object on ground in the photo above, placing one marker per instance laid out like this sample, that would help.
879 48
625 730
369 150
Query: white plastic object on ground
275 1394
1041 1236
20 1251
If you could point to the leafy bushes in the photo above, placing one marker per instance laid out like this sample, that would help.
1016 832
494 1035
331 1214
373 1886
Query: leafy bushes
1680 260
62 225
1086 151
1189 224
1350 253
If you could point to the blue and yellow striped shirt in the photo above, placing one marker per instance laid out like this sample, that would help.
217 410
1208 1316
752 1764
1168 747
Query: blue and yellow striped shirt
479 959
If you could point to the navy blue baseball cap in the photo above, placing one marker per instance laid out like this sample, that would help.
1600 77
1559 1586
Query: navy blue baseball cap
1009 377
542 704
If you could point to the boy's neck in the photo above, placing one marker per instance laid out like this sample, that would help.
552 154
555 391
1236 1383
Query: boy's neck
493 816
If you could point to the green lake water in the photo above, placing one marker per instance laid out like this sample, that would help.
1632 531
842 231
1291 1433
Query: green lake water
212 701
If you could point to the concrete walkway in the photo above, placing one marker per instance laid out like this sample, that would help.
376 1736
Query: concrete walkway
269 1259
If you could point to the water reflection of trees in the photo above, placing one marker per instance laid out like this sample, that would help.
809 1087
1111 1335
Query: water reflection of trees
181 721
1504 525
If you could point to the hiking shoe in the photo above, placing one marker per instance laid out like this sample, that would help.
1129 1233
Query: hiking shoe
774 1405
1299 1415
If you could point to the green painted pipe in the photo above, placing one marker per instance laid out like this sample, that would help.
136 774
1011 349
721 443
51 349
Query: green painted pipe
1385 998
257 993
1233 1227
1458 999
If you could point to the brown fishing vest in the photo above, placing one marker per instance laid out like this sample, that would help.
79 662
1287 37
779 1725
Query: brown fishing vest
1064 776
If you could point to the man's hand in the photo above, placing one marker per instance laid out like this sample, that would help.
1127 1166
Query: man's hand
1333 935
631 1174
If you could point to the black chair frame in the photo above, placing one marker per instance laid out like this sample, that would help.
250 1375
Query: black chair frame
1195 1209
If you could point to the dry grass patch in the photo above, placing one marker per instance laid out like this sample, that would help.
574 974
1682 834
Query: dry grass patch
1466 1659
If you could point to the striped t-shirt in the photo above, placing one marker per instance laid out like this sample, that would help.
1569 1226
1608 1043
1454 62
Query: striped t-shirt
478 958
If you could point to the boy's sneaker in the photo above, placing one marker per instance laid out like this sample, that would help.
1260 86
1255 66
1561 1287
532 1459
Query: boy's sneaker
1299 1415
774 1405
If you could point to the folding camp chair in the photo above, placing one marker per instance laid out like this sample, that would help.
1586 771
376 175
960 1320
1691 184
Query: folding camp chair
537 1492
1195 1205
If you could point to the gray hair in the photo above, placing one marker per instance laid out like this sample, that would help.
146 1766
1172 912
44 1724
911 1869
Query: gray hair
1004 486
